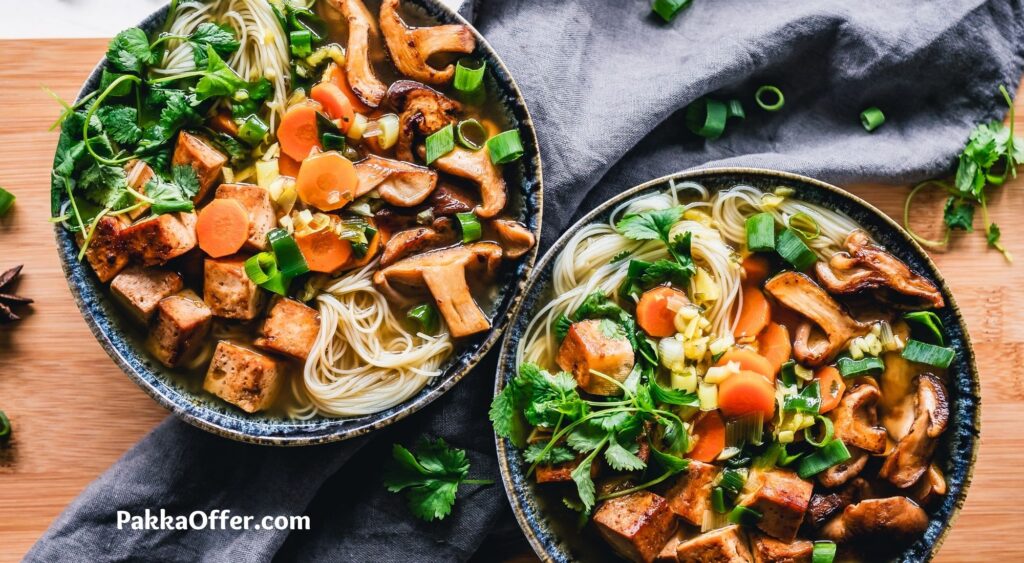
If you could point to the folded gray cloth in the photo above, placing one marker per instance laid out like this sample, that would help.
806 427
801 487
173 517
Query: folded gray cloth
605 81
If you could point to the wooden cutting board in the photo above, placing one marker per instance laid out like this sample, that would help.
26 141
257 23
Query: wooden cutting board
75 413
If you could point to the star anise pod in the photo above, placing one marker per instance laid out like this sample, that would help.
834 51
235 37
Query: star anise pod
8 300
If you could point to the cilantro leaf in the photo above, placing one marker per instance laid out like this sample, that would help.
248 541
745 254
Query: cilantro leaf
105 186
612 330
562 326
584 483
219 79
221 38
665 271
130 51
649 225
554 456
621 459
676 397
430 477
185 177
992 235
670 462
121 123
959 214
503 411
587 438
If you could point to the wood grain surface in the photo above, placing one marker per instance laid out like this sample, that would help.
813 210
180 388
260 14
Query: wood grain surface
75 413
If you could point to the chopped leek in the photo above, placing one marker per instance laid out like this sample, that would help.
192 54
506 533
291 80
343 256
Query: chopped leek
388 125
333 142
732 481
708 395
471 134
505 147
868 365
253 130
426 317
289 258
266 172
788 372
761 232
923 353
872 118
706 117
440 143
469 76
471 228
804 225
736 109
930 322
358 127
301 43
748 429
808 401
744 516
769 98
826 438
668 9
824 552
6 201
832 453
718 500
684 380
793 249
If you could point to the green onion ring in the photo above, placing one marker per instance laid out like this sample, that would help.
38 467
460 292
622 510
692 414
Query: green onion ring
5 427
906 215
470 128
706 117
769 89
829 432
872 118
261 267
736 109
802 223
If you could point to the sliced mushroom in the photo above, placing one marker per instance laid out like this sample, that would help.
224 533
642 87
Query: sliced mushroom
856 421
515 238
402 184
361 27
449 200
913 453
824 505
866 266
477 166
443 272
895 519
411 47
411 241
838 475
424 111
803 296
930 486
896 382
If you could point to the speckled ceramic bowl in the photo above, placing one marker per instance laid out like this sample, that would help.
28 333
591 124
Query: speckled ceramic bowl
122 340
551 528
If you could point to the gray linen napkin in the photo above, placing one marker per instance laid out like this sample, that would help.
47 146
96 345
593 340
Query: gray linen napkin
605 82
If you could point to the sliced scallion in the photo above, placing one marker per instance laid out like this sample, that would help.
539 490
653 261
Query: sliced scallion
253 130
505 147
301 43
732 481
471 134
761 232
868 365
744 516
788 372
808 401
826 438
6 201
804 225
736 109
332 142
5 427
769 98
823 552
668 9
830 454
872 118
261 267
471 228
924 353
718 500
289 258
426 317
793 249
706 117
440 143
927 320
469 75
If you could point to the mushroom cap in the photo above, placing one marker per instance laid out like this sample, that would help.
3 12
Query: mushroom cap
515 238
423 111
358 70
411 47
856 421
409 241
912 455
894 518
402 184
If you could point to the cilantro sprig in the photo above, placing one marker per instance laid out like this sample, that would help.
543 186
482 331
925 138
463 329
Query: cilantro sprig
430 478
656 225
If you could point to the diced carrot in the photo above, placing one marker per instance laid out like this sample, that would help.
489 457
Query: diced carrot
223 123
831 387
324 250
709 430
336 75
755 314
773 343
748 360
746 393
222 227
298 133
755 268
288 166
327 181
335 103
656 311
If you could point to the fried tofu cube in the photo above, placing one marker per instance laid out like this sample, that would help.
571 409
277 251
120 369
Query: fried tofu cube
256 201
106 252
290 328
140 289
601 346
636 525
157 240
770 550
182 323
207 161
724 545
668 551
242 377
139 174
690 496
228 290
562 472
782 498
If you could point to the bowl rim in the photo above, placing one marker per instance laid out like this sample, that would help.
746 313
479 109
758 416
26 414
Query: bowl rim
325 429
507 348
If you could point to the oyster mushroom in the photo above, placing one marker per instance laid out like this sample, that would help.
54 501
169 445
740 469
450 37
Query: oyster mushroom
402 184
824 505
930 486
856 421
515 238
895 519
411 241
423 111
866 266
913 454
411 47
444 272
361 27
477 166
802 295
839 474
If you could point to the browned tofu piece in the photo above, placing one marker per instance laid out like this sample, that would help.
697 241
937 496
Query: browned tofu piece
256 201
139 174
140 289
601 346
205 160
668 551
770 550
228 291
562 472
724 545
182 323
782 498
690 495
156 240
106 252
636 525
242 377
290 328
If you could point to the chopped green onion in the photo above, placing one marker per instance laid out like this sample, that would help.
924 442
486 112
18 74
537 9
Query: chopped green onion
469 75
804 225
868 365
830 454
278 284
744 516
808 401
785 459
261 267
747 429
736 109
718 500
301 43
788 372
872 118
253 130
471 228
290 261
793 249
6 201
359 249
824 552
426 317
923 353
471 134
440 143
768 104
761 232
505 147
829 432
706 117
926 319
668 9
5 427
732 481
332 142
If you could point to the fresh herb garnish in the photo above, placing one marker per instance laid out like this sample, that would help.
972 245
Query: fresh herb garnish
657 225
430 477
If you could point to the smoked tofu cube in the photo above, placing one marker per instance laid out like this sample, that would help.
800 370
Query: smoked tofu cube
668 551
249 380
255 200
770 550
724 545
636 525
182 323
207 161
106 252
228 290
138 175
782 498
140 289
690 496
290 328
156 240
562 472
601 346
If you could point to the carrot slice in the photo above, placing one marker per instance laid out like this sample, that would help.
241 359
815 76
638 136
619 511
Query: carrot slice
746 393
656 311
748 360
324 250
335 103
337 76
709 430
755 314
773 343
288 166
298 133
831 387
756 268
222 227
327 181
